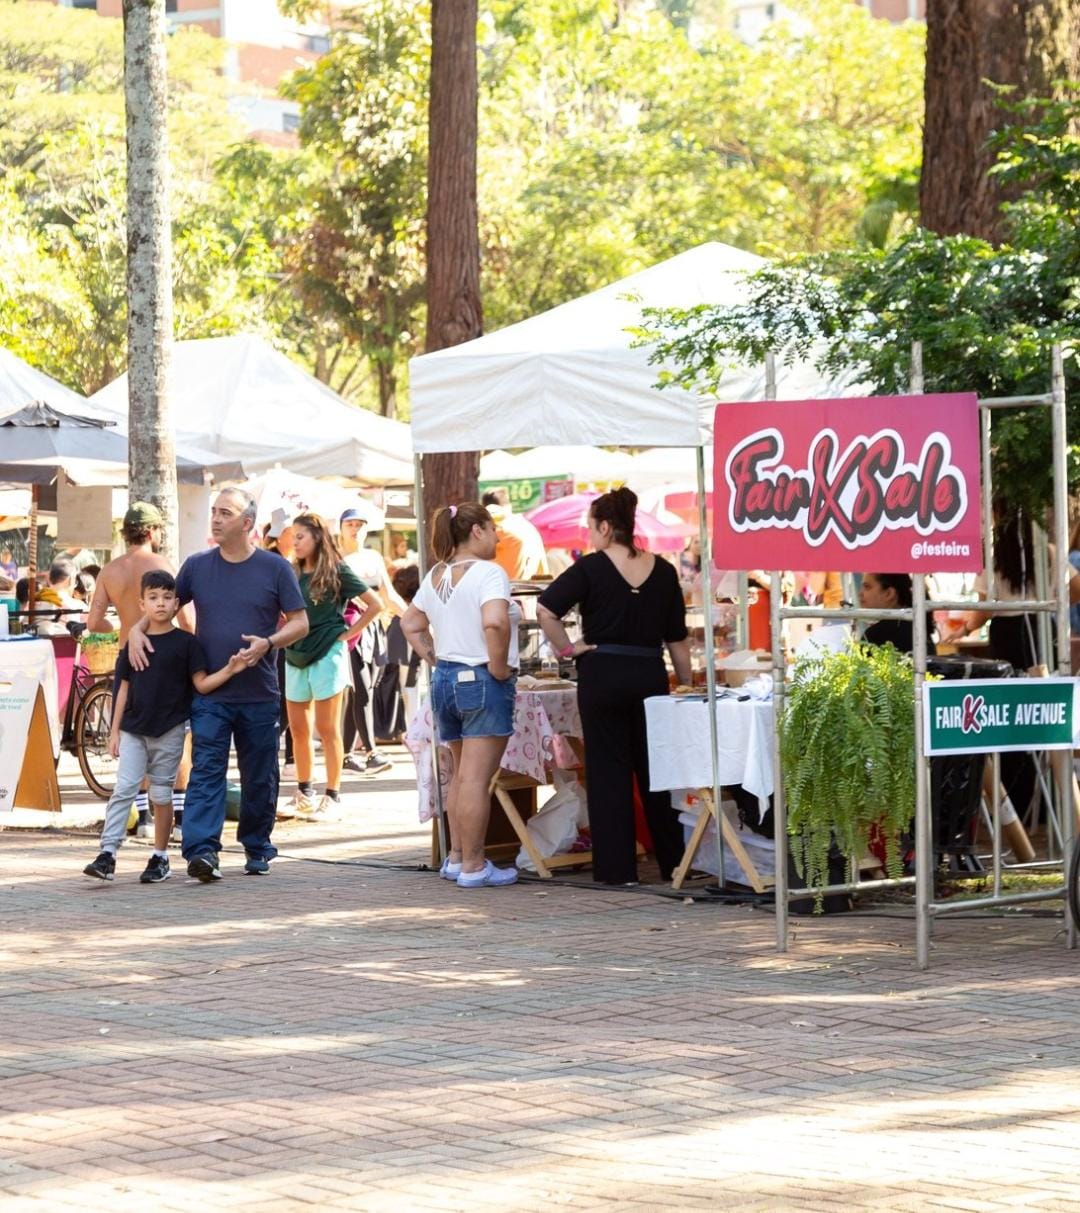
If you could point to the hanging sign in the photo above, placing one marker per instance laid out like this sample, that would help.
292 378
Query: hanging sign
526 494
875 484
984 715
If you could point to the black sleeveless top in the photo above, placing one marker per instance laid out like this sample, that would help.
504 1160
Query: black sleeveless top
613 611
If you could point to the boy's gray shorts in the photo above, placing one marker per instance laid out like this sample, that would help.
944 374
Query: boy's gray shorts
155 758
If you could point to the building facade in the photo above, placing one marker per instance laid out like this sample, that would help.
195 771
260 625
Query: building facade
264 47
751 17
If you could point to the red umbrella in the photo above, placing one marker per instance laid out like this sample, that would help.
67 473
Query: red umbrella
564 523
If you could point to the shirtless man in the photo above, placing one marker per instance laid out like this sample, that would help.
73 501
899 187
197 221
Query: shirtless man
119 588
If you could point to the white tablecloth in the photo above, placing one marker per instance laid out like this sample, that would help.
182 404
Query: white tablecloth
678 733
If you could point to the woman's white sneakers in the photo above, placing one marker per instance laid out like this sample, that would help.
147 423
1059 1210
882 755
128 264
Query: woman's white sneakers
489 876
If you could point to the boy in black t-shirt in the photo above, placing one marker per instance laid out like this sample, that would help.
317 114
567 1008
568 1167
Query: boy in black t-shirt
149 719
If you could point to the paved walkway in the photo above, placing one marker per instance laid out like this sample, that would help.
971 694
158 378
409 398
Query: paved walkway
353 1033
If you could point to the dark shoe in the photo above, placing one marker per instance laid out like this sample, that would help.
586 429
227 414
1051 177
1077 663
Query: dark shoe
352 763
103 868
157 869
256 866
204 867
376 763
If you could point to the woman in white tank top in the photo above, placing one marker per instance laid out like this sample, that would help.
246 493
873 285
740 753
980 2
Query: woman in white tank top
464 624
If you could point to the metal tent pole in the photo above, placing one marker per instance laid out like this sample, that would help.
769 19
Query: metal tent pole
780 831
1062 758
422 553
924 830
710 656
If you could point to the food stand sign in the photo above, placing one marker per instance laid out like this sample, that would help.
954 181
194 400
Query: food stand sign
873 484
984 715
527 493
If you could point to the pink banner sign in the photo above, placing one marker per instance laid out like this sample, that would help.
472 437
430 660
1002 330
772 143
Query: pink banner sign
885 484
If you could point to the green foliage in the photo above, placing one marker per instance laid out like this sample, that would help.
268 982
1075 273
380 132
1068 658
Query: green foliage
611 139
62 228
847 743
986 316
613 133
358 261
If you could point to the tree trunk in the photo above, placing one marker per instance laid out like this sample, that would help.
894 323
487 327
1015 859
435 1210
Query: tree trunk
1029 44
454 312
151 457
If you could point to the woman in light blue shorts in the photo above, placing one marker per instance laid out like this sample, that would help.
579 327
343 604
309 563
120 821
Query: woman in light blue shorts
465 601
317 667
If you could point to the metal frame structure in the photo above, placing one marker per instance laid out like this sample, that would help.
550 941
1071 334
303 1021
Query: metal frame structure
926 908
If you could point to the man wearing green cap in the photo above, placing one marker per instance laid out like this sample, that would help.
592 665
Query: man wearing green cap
119 589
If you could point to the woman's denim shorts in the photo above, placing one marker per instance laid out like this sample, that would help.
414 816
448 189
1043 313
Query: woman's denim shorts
468 702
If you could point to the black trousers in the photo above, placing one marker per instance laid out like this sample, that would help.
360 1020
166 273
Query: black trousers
611 698
1012 640
359 705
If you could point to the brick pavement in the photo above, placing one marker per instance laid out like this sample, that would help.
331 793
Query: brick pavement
352 1034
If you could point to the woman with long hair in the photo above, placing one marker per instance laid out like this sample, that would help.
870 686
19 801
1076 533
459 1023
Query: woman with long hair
463 623
631 606
891 592
317 667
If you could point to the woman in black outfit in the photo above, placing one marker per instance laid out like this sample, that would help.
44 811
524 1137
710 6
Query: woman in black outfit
631 606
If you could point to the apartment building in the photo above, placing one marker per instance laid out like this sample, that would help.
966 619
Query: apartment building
264 46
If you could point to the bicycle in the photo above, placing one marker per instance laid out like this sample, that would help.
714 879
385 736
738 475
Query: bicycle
87 725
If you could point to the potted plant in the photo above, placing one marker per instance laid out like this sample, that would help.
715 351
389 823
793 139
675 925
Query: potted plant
847 744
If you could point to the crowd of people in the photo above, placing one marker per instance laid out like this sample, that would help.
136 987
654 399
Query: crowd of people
304 629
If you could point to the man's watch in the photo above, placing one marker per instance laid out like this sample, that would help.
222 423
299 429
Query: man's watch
270 641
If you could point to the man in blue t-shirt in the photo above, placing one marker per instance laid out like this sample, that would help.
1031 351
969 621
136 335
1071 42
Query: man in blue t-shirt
240 594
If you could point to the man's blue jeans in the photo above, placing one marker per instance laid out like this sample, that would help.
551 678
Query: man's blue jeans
254 727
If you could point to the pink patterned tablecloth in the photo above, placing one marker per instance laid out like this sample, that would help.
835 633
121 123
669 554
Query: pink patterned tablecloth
543 720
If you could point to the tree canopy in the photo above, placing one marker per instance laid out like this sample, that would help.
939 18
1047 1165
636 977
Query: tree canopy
986 315
613 133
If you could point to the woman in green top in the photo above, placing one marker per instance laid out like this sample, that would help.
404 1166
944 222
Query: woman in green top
317 667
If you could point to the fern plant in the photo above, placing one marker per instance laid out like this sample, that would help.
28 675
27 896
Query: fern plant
847 743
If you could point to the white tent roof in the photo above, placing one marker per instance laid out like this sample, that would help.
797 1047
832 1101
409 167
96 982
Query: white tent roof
240 398
569 376
105 459
21 384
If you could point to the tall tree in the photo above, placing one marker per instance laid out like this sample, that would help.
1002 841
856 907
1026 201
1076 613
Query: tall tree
151 458
971 46
454 312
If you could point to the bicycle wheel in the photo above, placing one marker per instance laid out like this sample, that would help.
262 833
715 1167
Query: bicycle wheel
93 722
1074 883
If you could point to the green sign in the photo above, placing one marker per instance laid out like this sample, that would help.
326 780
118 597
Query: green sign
987 715
524 494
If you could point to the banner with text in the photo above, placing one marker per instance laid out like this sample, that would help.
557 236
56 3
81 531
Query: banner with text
873 484
984 715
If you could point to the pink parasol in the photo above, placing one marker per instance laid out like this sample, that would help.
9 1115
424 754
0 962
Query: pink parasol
564 523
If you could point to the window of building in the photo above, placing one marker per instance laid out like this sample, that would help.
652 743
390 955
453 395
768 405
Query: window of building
290 123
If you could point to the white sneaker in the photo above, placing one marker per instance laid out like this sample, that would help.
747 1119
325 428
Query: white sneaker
489 876
328 809
145 829
301 803
288 771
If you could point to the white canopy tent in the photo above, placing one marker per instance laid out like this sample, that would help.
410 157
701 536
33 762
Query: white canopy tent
571 375
238 397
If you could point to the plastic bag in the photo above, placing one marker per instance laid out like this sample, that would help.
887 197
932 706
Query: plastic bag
554 828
